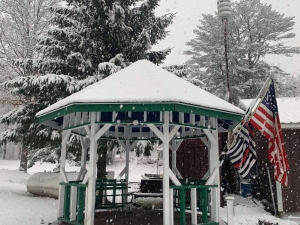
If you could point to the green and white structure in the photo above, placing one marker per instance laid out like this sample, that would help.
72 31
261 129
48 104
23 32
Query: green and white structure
140 102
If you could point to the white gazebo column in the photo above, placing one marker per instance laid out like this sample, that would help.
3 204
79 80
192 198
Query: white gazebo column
91 190
127 147
214 172
166 169
125 197
62 177
167 172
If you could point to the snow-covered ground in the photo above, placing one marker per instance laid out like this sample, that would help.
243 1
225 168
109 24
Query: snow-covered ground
18 207
247 212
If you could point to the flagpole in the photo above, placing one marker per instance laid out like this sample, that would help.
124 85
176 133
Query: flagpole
260 95
263 91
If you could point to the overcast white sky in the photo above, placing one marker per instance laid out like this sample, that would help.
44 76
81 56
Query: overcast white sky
189 12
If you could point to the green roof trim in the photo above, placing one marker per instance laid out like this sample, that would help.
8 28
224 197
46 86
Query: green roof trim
138 107
207 112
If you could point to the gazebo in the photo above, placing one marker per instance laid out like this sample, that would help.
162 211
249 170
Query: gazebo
140 102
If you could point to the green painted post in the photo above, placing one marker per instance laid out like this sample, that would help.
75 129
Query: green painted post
182 206
67 202
205 205
80 204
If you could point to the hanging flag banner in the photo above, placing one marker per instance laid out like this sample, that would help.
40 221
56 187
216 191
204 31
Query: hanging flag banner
242 152
265 118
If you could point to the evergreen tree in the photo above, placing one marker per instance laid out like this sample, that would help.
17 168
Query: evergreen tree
88 41
255 30
20 24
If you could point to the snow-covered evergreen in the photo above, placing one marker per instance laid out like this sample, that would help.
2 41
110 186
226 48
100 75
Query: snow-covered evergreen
88 40
255 30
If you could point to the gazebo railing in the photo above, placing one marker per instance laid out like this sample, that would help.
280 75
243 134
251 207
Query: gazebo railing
201 194
74 202
74 198
112 185
198 202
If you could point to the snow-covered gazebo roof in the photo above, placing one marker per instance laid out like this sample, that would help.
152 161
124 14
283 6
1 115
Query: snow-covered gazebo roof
141 92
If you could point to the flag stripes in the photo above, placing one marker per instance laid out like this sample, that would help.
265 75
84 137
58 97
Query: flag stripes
266 120
242 152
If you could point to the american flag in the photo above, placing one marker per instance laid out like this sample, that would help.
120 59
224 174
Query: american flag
242 152
266 120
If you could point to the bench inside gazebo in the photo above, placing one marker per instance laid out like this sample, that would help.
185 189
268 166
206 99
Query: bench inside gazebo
141 102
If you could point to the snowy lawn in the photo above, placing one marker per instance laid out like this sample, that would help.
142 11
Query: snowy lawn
248 213
18 207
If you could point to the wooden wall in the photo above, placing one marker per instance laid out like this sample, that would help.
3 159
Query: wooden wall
290 194
192 159
192 162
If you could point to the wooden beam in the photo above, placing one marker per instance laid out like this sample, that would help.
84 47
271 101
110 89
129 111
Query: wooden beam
211 138
73 203
102 131
194 206
174 178
214 173
122 143
62 177
121 174
205 141
87 130
166 170
156 131
173 132
90 211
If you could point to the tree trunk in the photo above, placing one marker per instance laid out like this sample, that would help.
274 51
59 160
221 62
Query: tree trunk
101 168
4 151
24 160
101 162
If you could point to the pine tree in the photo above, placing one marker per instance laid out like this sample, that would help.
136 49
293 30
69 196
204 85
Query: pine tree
88 41
20 24
255 30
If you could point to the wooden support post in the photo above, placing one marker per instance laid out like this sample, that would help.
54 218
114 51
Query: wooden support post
91 195
194 205
166 183
61 189
172 207
90 206
127 149
279 198
214 163
167 173
73 204
230 210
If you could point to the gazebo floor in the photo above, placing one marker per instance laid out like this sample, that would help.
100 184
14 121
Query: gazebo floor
136 217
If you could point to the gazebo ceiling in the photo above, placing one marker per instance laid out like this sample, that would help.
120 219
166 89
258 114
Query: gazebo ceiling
140 93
